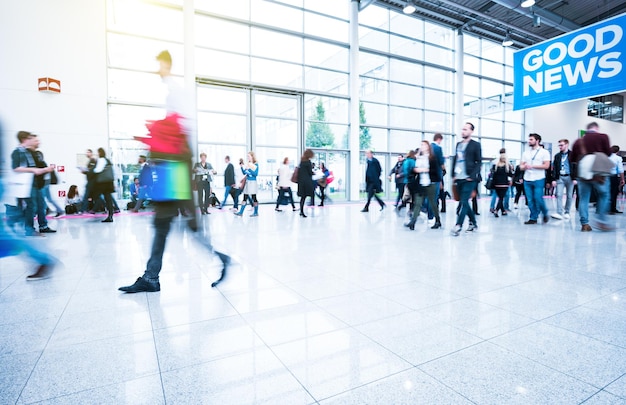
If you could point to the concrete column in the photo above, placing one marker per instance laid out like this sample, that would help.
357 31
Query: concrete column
459 118
190 73
353 142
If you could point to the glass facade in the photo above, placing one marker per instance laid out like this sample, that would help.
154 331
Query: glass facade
273 76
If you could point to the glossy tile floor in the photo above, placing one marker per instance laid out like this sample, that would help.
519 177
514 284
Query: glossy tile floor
342 307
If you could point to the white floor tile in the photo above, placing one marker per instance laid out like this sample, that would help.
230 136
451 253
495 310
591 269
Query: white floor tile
340 307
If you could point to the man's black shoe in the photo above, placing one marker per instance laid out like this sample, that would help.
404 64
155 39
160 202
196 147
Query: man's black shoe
141 285
43 272
530 222
46 230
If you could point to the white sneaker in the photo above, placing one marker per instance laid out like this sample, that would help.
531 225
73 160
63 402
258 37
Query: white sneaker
515 206
456 230
556 216
566 216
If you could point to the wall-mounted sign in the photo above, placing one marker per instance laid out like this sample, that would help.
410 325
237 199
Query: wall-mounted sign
49 84
584 63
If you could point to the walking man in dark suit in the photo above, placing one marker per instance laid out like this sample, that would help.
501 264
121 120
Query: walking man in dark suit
372 181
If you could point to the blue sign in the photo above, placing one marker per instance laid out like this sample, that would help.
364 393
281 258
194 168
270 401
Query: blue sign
584 63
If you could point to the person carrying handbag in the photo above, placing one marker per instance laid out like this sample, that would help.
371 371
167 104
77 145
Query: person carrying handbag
104 182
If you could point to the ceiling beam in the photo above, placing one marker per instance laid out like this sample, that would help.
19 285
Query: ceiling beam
487 19
364 3
548 17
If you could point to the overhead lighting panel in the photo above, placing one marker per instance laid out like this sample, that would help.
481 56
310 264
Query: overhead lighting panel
528 3
409 8
507 40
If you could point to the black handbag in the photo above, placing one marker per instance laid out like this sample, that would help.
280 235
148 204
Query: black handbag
489 183
106 175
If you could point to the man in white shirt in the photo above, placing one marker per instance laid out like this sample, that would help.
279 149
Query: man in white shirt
617 179
534 164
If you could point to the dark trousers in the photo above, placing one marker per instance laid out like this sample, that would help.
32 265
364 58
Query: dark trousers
322 194
614 192
164 214
465 188
399 191
204 192
519 190
371 193
162 227
108 200
87 196
286 191
501 192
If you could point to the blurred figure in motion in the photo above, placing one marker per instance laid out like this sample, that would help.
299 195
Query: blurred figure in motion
171 166
10 243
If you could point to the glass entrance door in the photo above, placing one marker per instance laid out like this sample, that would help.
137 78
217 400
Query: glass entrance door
337 163
233 121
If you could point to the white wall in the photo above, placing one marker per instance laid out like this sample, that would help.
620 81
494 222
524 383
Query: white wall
564 120
65 40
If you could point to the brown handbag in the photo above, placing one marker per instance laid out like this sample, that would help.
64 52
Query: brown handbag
294 176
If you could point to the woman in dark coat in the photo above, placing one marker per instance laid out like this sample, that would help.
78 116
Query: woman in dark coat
305 179
104 186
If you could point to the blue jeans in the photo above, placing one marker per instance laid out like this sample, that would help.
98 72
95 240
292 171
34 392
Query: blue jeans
226 194
494 197
534 195
465 188
11 245
399 191
564 183
37 196
602 205
48 197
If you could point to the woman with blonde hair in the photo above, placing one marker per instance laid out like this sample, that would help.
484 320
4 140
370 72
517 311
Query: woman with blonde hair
502 172
250 189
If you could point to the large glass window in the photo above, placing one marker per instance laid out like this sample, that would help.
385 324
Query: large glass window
231 67
144 19
326 27
277 15
264 44
210 32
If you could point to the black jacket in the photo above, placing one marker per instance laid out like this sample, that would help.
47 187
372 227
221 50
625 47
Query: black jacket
229 175
556 165
473 160
305 179
372 174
